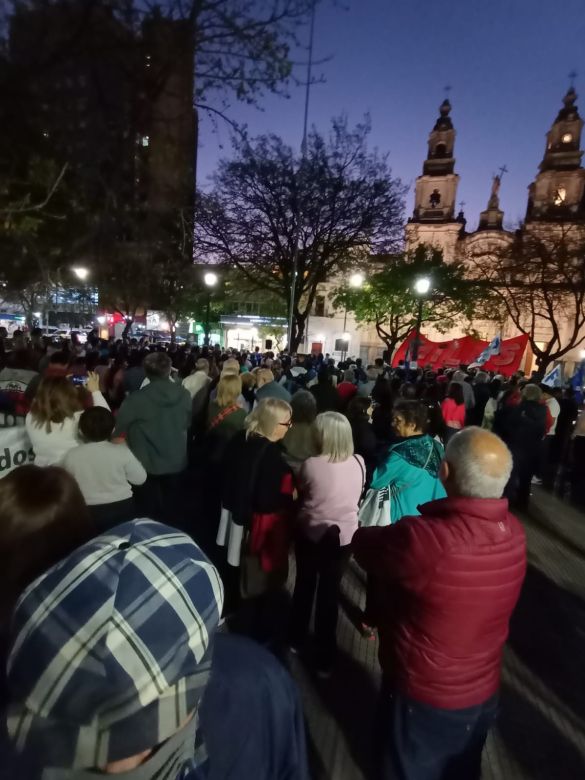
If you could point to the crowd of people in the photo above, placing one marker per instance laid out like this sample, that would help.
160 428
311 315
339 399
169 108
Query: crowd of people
148 610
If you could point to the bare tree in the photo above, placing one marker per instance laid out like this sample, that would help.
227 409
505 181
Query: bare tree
540 281
349 202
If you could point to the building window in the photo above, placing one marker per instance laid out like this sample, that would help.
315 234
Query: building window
320 306
145 140
435 198
560 196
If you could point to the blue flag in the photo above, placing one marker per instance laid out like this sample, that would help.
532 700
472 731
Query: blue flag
492 349
554 377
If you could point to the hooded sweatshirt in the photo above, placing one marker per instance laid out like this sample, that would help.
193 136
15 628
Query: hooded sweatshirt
155 422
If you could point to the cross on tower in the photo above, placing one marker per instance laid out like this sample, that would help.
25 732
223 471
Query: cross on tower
447 89
502 171
572 76
461 204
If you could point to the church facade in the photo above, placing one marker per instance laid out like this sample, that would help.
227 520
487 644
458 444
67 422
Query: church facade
556 203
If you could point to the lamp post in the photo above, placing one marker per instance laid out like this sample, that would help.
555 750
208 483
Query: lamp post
355 280
210 280
421 288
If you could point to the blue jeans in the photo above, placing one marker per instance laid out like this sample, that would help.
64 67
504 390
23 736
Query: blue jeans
420 742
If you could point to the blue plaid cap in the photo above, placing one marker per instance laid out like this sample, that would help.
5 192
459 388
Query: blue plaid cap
111 648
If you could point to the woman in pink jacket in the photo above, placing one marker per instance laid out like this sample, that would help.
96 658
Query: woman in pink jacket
330 487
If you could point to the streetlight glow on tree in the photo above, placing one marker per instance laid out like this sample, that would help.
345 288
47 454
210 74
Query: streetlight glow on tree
210 279
356 280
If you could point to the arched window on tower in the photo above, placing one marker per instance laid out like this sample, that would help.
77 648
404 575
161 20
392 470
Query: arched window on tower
435 198
441 150
560 196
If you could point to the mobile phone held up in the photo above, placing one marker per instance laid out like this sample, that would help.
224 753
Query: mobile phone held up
79 379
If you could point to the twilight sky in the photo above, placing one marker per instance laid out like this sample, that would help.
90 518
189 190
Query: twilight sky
507 62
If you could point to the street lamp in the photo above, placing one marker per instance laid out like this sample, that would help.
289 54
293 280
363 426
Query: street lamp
210 280
355 280
421 288
81 273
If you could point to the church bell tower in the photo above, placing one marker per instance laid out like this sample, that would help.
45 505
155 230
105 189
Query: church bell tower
558 192
433 220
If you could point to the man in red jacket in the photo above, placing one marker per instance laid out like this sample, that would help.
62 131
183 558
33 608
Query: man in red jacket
448 581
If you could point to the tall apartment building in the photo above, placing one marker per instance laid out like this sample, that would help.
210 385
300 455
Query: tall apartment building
113 97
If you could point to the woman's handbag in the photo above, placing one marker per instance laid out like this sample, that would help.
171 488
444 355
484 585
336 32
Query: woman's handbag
375 508
254 581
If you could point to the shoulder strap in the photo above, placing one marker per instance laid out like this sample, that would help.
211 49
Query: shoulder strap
220 416
363 472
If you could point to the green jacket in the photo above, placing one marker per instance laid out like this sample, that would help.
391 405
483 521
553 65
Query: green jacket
411 472
155 421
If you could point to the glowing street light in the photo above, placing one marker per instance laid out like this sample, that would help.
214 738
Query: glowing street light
421 287
356 280
81 273
210 280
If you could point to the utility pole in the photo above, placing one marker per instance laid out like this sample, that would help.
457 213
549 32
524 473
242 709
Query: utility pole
295 263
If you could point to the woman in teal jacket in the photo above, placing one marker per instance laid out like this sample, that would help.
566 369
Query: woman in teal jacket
411 468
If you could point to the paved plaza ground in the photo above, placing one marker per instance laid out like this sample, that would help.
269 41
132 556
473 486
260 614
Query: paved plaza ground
540 734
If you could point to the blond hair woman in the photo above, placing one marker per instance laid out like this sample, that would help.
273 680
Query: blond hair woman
53 421
224 417
330 486
257 500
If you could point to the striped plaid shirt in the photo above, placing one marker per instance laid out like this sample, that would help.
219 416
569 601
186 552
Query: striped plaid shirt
111 648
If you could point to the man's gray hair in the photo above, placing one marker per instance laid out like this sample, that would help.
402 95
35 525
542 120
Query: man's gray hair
531 392
477 469
157 365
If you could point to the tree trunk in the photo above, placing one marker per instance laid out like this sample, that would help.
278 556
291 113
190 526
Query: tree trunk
389 341
127 327
298 334
28 308
542 361
391 347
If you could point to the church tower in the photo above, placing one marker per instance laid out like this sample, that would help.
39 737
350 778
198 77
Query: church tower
433 220
558 192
